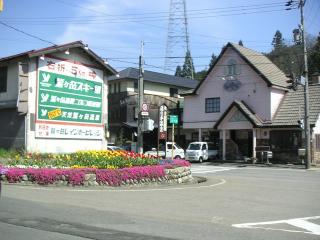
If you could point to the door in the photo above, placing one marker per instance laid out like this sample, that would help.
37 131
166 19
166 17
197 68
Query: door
204 150
169 150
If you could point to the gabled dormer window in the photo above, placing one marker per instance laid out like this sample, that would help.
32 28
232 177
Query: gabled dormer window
232 68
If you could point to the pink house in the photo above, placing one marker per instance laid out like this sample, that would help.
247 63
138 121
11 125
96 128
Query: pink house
246 106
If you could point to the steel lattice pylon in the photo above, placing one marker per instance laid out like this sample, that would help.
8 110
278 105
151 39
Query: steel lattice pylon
178 36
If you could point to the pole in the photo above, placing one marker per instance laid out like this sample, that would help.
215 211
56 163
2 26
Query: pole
158 141
140 100
306 89
172 141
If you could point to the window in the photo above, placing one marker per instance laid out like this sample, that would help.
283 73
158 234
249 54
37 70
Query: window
173 92
114 88
194 136
204 147
317 136
119 86
232 68
109 88
3 79
212 105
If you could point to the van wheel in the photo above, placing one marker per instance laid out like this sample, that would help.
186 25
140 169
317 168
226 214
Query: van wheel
177 157
200 160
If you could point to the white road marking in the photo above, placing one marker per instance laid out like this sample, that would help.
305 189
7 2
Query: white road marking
221 182
308 227
209 169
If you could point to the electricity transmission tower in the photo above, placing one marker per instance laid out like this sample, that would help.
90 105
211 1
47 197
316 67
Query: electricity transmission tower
178 37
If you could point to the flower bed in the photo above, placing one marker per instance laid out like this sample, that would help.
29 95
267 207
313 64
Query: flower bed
94 176
82 159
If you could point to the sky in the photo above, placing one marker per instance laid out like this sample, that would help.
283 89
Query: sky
114 29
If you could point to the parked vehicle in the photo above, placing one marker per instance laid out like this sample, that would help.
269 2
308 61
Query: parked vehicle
165 151
114 148
201 151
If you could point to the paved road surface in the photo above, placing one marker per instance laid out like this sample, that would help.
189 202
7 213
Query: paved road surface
235 203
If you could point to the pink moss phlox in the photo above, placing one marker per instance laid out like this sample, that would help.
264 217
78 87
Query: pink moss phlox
76 177
181 162
43 176
168 164
116 177
14 175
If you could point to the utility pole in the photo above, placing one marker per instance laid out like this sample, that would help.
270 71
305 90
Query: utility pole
292 5
140 100
306 89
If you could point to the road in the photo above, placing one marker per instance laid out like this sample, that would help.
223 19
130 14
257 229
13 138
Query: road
235 203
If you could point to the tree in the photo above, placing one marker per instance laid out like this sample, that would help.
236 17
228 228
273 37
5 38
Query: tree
178 71
213 60
277 41
314 58
188 67
201 75
240 43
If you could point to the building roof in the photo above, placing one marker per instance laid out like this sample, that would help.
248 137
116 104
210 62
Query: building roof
245 110
263 65
133 73
269 72
63 47
292 107
289 112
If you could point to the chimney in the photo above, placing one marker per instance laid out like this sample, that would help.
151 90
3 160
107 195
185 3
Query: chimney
315 78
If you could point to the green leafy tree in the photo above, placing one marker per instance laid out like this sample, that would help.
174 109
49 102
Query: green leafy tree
314 57
289 58
201 75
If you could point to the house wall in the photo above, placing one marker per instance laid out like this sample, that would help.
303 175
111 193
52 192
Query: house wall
276 98
12 123
35 144
12 129
11 95
226 124
254 91
315 153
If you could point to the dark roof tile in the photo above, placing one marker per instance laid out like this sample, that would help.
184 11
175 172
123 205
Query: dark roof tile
133 73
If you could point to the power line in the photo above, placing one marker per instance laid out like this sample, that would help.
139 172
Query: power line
200 11
25 33
142 19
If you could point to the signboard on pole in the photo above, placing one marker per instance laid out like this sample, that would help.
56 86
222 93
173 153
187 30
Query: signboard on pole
174 119
163 121
69 100
145 109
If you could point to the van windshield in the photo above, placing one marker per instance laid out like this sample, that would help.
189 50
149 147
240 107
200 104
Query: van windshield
194 146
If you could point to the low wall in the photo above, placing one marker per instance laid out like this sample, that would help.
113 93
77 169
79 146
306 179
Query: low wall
176 175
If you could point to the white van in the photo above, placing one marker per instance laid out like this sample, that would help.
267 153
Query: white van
201 151
165 151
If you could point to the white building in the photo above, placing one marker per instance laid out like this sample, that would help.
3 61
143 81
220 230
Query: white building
247 106
54 99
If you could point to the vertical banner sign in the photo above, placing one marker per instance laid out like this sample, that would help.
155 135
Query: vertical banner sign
69 100
163 122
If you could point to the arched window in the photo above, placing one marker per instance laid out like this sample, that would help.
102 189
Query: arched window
232 68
